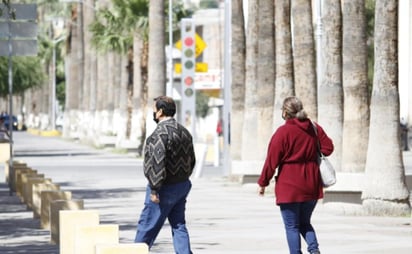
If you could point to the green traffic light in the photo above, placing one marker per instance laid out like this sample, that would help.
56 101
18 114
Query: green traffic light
189 53
189 64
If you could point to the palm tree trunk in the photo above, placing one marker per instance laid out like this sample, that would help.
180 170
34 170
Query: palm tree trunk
265 73
249 131
385 191
304 56
355 87
330 93
137 113
72 75
157 58
238 79
284 86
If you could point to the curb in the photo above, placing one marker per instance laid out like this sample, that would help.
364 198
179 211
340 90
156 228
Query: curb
49 133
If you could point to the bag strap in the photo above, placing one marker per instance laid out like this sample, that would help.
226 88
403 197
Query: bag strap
317 140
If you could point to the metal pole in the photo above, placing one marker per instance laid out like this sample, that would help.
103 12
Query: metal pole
10 73
170 91
53 102
319 41
227 90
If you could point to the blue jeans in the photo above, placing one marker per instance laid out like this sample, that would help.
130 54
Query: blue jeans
172 206
296 217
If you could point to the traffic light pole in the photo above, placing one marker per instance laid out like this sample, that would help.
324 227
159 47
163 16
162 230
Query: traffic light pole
170 87
227 90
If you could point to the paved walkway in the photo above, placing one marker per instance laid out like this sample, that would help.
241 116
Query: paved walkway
222 216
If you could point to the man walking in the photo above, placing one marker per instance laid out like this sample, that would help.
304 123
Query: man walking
169 160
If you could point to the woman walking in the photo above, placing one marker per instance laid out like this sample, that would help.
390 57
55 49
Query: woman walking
293 152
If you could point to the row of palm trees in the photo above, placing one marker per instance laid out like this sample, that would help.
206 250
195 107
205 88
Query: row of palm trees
115 64
275 57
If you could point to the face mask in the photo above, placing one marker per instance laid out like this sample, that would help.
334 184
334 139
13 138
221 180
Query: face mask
154 117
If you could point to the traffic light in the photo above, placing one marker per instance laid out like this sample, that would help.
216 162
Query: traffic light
188 73
188 56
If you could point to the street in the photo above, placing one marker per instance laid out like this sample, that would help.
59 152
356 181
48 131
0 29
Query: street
222 216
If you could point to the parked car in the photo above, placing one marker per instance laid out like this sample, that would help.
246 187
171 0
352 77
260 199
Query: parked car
6 119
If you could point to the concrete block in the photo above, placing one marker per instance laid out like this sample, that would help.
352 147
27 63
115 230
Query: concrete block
4 152
27 184
16 164
348 188
87 237
36 196
13 176
55 207
69 220
46 198
123 248
19 179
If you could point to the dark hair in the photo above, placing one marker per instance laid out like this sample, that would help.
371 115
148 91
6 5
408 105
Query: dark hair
293 108
166 104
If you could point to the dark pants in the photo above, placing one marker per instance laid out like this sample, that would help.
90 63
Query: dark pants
172 207
296 217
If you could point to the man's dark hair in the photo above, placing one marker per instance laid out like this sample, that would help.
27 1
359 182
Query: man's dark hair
167 105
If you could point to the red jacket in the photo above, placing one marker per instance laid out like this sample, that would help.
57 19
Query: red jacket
293 150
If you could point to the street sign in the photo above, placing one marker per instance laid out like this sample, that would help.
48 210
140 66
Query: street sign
19 33
20 47
199 67
209 80
22 11
18 29
200 45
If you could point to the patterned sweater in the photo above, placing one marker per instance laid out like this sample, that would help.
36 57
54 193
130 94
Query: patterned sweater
169 156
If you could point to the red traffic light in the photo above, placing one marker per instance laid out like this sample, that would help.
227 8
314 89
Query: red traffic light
188 81
188 41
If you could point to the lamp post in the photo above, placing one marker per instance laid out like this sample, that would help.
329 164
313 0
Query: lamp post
170 90
53 103
227 88
319 41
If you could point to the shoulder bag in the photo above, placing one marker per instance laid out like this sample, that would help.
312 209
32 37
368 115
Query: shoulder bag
327 171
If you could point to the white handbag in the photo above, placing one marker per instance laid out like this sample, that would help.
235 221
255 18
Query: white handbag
327 172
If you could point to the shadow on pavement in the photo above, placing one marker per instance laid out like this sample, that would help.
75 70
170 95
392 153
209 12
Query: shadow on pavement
105 193
16 222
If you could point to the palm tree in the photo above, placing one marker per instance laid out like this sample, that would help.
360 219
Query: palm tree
330 93
385 191
124 29
115 31
355 87
238 78
249 130
265 73
74 71
284 59
157 58
304 56
259 90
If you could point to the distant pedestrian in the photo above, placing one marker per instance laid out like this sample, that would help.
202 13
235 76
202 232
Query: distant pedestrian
169 160
293 152
4 133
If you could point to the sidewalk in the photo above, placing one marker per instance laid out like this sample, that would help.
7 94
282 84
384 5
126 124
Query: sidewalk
222 216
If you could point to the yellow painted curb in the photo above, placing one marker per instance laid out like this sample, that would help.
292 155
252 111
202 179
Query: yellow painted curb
33 131
52 133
